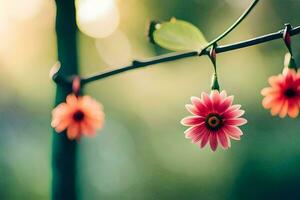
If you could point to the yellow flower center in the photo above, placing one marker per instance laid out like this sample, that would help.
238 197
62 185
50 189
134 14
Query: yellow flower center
213 121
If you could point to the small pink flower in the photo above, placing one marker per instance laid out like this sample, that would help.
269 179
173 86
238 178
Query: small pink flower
215 120
79 116
283 97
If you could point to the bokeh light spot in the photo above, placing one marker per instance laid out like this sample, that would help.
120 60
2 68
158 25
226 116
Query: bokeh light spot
97 18
111 55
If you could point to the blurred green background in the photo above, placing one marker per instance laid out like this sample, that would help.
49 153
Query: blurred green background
142 152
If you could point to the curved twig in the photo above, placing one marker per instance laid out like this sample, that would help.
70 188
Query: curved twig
233 26
175 56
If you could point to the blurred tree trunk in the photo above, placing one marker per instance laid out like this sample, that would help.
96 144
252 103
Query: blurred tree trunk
64 150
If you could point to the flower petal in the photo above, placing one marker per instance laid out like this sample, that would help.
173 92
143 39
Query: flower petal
194 131
204 140
62 125
213 141
269 101
73 131
276 107
233 108
199 135
228 140
87 129
236 121
233 132
223 94
225 104
216 99
284 109
267 91
192 120
202 109
222 137
72 100
289 76
275 81
192 109
206 100
293 109
233 114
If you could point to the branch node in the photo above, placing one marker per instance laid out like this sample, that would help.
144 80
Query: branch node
287 36
76 85
54 70
56 76
137 63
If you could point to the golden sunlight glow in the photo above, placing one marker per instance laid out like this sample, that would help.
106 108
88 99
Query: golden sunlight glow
111 55
21 9
97 18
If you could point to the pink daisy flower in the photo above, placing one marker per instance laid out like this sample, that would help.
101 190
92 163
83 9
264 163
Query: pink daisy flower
215 120
283 95
79 116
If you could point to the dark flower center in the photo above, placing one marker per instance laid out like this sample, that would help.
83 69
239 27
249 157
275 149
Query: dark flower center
290 92
213 121
78 116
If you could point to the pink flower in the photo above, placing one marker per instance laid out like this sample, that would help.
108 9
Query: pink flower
79 116
283 97
215 120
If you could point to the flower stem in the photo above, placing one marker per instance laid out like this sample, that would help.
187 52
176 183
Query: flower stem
232 27
64 150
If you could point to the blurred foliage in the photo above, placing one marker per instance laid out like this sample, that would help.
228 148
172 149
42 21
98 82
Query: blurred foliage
142 152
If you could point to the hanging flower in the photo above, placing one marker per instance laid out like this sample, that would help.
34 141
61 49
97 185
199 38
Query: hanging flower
283 97
215 120
79 116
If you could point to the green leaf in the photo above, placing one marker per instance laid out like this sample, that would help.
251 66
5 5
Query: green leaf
178 35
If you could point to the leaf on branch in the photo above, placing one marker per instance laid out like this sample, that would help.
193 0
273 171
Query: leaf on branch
151 28
176 35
